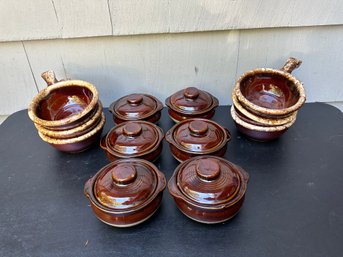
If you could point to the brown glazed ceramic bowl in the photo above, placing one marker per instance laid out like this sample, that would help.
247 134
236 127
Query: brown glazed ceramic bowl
83 128
194 137
270 92
76 144
259 133
254 119
63 105
136 107
191 103
126 192
133 139
208 189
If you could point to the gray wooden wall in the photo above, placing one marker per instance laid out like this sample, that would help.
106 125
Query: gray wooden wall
160 46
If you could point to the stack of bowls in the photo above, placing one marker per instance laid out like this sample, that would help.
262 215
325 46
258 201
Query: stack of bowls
266 101
67 114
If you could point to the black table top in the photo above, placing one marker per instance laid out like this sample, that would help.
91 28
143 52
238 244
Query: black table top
293 206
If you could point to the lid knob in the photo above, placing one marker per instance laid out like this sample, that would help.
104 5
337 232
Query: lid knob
198 127
134 99
124 174
191 92
208 169
132 129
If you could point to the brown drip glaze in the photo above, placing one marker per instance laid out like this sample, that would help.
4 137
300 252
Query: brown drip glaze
208 189
197 137
125 193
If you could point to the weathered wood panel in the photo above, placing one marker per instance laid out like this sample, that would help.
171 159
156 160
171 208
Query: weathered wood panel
42 19
17 86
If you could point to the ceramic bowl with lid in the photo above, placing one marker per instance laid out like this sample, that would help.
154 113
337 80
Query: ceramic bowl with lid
133 139
126 192
191 103
63 105
208 189
269 92
194 137
136 107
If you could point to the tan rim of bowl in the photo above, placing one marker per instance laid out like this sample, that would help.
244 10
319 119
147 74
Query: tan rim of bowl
273 122
45 92
264 110
65 133
57 141
258 128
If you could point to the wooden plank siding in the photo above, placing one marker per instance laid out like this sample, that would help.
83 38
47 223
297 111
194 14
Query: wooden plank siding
54 19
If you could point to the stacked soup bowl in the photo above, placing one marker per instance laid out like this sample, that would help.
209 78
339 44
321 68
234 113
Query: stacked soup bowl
266 101
67 114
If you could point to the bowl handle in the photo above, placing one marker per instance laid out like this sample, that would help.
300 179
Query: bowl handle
291 64
88 187
173 189
228 134
49 77
103 142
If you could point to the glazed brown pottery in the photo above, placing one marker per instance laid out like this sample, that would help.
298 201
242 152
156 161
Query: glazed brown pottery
136 107
83 128
270 92
64 105
133 139
259 133
126 192
208 189
193 137
76 144
191 103
257 120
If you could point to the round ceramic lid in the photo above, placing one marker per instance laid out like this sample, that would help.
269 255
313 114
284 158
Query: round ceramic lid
199 135
191 100
135 107
133 138
125 184
209 180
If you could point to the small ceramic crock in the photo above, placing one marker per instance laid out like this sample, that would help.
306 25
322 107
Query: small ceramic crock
136 107
126 192
259 133
208 189
193 137
133 139
64 104
191 103
83 128
76 144
269 92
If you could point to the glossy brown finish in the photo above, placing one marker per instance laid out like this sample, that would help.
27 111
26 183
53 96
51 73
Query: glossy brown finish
81 129
259 133
136 107
64 104
76 144
208 189
194 137
133 139
269 92
126 192
191 103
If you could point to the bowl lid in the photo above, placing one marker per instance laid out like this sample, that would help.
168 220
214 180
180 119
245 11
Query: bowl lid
198 136
209 180
126 184
133 138
135 107
192 101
